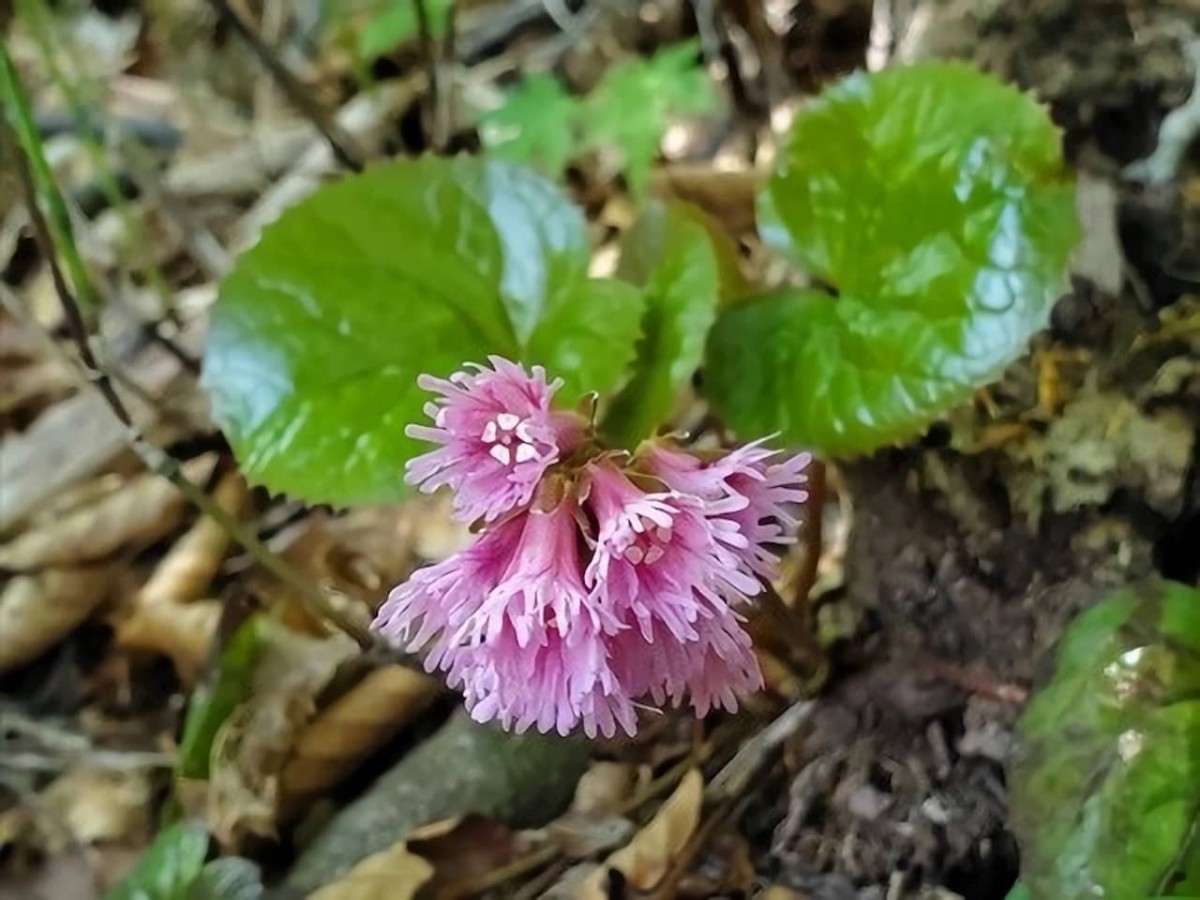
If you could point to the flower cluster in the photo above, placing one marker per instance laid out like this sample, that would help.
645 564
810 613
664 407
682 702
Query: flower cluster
599 579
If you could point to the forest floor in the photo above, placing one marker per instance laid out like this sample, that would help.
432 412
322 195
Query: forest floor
947 568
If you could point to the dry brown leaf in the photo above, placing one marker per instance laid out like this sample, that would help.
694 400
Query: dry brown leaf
394 874
36 611
185 572
605 787
182 631
353 727
594 824
253 745
39 381
144 510
648 857
101 805
462 851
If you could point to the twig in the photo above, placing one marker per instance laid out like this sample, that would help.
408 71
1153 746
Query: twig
153 456
738 773
443 111
290 85
470 887
1177 132
430 61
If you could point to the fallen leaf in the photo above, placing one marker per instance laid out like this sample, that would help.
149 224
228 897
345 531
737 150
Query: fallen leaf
648 857
186 571
604 787
393 874
164 618
583 835
36 611
144 510
353 727
462 851
184 632
255 742
100 805
33 385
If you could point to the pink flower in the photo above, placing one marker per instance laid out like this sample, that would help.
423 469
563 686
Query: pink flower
742 488
542 585
498 437
437 602
625 586
510 621
716 669
659 558
557 681
668 571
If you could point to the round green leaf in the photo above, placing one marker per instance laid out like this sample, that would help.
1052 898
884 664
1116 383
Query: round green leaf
534 125
321 330
588 336
669 254
933 201
1105 782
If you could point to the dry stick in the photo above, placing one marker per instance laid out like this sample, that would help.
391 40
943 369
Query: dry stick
429 58
295 91
153 456
443 111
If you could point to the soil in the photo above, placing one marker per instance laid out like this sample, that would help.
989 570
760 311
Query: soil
964 565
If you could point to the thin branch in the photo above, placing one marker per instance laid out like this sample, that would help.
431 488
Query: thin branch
430 61
155 458
443 111
339 143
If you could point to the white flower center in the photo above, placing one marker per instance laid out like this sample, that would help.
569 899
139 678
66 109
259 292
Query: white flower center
511 440
648 545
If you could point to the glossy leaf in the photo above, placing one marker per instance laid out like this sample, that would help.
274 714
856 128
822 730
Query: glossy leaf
1105 783
534 125
634 103
321 330
588 336
934 202
668 253
211 705
168 868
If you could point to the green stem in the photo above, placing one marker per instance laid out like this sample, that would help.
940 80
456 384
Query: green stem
37 17
48 197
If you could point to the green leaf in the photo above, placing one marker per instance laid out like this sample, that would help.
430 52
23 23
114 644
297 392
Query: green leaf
1105 783
588 336
535 125
634 103
669 254
211 705
230 878
168 867
321 330
934 201
396 23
